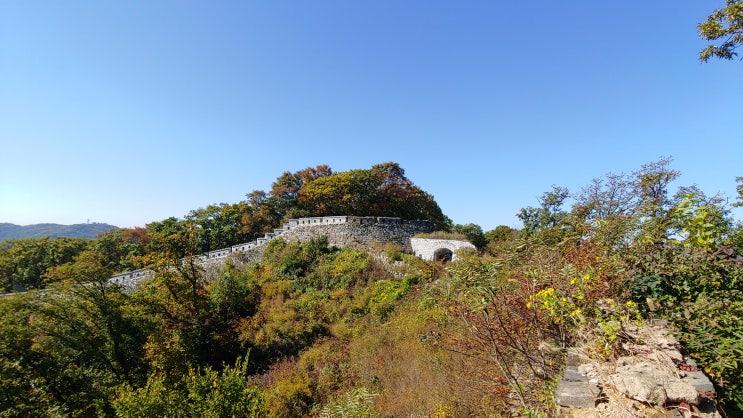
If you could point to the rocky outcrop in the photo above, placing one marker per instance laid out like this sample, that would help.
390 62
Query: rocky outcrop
653 379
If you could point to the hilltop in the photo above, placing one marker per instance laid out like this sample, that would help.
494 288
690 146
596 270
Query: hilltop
88 231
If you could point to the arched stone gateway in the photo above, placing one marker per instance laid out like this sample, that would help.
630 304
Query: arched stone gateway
443 255
438 249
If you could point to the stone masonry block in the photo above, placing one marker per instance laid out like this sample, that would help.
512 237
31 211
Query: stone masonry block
576 394
699 381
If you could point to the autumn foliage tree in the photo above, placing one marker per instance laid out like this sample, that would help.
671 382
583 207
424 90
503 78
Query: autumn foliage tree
382 190
263 211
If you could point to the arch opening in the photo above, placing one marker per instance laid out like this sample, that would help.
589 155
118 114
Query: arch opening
443 255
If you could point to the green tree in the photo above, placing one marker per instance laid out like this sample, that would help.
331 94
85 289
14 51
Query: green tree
171 240
193 310
700 220
501 233
654 204
177 302
26 386
725 25
500 238
205 393
473 233
650 186
121 248
549 214
607 198
24 262
65 350
103 312
219 225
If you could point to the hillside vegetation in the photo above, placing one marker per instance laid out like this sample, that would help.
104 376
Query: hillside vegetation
382 190
314 330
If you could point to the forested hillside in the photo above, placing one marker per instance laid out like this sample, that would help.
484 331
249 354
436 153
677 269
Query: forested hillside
314 330
382 190
89 231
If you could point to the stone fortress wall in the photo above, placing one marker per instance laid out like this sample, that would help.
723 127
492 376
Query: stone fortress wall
341 231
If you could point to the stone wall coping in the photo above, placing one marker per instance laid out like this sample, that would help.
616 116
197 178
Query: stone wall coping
292 224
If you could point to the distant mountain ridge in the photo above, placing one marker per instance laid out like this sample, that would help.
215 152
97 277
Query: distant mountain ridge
89 230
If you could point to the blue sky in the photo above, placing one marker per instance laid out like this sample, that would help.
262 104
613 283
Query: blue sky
130 112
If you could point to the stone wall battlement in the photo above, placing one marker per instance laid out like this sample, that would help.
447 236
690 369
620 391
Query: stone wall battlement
341 231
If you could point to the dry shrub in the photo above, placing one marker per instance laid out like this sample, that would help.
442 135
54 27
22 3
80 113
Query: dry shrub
287 390
403 362
326 364
609 271
505 342
505 350
473 387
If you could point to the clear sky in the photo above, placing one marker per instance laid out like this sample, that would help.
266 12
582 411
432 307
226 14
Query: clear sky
129 112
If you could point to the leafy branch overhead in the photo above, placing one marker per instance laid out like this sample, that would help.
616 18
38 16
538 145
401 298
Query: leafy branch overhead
724 25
